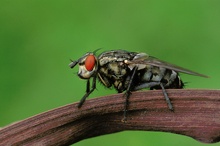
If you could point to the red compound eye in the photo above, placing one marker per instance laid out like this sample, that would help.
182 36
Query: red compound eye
90 62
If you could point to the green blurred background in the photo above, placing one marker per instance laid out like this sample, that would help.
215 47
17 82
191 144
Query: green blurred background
38 37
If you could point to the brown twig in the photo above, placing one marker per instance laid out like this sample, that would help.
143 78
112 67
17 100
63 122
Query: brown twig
196 114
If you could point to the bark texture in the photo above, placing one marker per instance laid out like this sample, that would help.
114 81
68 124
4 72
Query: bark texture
196 114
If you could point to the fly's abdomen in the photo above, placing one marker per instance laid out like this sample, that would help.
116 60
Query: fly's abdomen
173 80
169 78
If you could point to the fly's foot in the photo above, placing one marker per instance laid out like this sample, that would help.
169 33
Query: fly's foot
124 120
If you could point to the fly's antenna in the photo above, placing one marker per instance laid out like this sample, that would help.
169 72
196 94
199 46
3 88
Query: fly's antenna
73 63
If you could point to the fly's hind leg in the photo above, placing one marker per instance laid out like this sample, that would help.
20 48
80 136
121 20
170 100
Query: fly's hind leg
146 85
166 97
153 84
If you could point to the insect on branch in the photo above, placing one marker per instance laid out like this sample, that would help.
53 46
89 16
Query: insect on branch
196 114
129 71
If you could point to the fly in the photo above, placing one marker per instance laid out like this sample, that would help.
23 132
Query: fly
129 71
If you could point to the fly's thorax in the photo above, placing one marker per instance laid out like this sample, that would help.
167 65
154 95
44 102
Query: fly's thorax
113 73
115 56
117 69
88 66
112 68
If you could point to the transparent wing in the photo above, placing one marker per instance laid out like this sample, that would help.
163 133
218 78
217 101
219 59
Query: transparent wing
149 60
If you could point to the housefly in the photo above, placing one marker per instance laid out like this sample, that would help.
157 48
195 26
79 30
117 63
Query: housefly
129 71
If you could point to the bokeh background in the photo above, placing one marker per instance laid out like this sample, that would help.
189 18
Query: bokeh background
38 37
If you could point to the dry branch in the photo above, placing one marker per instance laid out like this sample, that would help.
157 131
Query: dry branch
196 114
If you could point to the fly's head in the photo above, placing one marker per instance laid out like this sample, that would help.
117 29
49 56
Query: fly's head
88 65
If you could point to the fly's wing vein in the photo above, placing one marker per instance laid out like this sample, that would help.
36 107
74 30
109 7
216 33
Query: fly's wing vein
159 63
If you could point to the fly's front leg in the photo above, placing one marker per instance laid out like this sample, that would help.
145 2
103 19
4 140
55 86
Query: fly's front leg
128 93
88 91
88 86
166 97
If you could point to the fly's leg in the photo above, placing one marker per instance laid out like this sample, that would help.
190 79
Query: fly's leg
166 97
88 91
152 84
88 86
146 85
127 94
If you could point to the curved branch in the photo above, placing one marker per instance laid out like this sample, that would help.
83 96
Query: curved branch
196 114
